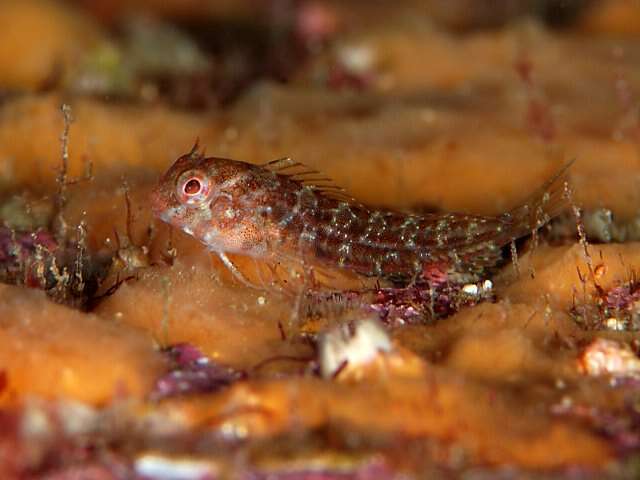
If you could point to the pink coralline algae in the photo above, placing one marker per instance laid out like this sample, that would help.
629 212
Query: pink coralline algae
192 372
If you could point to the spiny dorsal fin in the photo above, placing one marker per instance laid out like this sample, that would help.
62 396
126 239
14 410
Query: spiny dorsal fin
279 165
308 177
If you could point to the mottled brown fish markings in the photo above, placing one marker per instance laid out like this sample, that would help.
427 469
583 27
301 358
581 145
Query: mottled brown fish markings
285 210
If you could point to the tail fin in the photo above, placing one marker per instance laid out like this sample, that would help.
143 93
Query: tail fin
483 250
549 201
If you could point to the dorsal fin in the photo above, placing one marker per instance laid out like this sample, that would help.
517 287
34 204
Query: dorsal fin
308 177
285 163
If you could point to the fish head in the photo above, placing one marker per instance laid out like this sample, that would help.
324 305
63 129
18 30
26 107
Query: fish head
190 194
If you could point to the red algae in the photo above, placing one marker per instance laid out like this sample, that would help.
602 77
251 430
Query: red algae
192 372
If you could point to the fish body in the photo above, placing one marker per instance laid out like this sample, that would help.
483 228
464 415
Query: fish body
279 210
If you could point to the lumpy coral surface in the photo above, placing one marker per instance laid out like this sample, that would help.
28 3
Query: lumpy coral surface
129 350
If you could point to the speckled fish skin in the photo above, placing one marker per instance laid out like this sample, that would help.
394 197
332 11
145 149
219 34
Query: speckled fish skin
256 211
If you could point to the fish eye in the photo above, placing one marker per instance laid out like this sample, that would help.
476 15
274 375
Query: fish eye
193 188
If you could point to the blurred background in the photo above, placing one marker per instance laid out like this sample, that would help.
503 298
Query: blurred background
415 105
383 96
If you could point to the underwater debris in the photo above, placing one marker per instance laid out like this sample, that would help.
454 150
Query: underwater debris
608 357
191 371
418 303
363 349
614 308
65 272
23 257
165 467
130 256
351 346
39 249
600 226
421 302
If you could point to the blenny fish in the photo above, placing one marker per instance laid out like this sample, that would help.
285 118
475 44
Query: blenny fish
283 209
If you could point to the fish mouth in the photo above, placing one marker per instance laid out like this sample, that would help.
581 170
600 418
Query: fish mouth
164 209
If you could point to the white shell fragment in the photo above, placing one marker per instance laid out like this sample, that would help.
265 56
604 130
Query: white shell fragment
357 347
477 289
608 357
614 324
471 289
160 467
